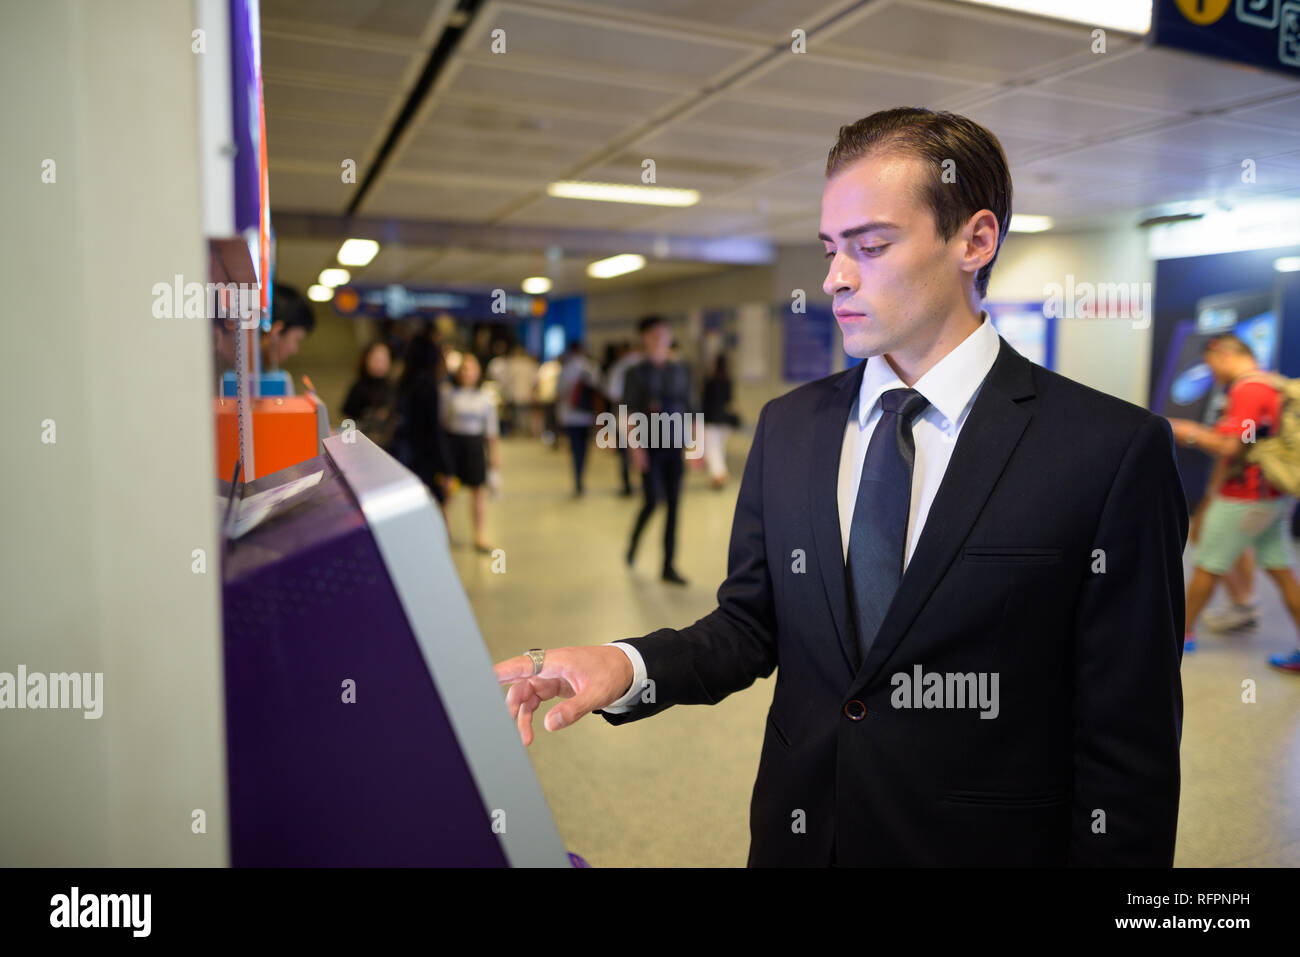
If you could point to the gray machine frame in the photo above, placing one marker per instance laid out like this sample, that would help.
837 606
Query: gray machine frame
409 531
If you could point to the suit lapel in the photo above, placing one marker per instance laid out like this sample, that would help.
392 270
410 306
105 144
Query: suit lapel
988 437
830 420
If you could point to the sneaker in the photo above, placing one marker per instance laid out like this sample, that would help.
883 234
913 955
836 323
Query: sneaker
1231 617
671 576
1189 643
1289 662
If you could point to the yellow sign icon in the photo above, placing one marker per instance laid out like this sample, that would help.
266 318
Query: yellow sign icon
1203 12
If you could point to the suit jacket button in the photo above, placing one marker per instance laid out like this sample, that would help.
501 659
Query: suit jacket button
855 710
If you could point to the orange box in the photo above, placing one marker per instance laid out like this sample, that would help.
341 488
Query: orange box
284 433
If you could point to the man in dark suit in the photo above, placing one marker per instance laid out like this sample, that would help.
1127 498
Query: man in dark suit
658 385
965 569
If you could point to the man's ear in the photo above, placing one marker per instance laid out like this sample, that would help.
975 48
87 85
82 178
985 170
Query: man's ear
981 235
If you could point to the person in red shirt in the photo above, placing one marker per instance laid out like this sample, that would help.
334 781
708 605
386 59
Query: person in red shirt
1240 510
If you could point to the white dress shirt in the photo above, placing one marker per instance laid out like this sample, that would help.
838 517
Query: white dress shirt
951 386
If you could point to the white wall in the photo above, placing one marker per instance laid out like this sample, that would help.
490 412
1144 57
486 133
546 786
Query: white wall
95 574
1113 355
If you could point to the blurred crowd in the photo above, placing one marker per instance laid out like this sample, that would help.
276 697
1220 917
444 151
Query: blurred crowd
442 409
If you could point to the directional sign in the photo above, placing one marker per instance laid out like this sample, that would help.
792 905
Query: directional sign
1261 33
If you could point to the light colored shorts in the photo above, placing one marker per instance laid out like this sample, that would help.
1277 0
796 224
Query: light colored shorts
1230 526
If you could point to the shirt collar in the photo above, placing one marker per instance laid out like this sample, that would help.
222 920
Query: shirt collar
948 385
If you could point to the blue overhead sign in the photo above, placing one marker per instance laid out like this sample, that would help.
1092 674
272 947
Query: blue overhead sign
1260 33
809 338
395 301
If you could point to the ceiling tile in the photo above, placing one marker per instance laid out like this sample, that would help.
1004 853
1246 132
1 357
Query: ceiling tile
821 82
1283 113
999 48
776 18
1043 116
417 200
577 213
323 192
1217 139
568 41
1167 80
396 18
497 79
281 54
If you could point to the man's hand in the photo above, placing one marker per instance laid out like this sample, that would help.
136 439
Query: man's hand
591 677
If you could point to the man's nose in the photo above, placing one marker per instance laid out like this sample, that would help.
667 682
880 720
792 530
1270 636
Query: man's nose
840 277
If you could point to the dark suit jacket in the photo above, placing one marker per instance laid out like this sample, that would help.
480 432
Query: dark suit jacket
1051 556
648 388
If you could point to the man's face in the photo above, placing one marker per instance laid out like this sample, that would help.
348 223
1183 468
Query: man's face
896 281
289 340
657 341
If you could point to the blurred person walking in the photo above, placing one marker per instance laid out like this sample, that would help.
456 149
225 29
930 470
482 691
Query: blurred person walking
419 441
1241 610
470 417
517 387
1240 508
615 376
548 374
578 392
658 384
719 420
369 403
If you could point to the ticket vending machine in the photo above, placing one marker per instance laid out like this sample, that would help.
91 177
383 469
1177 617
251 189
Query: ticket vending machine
364 724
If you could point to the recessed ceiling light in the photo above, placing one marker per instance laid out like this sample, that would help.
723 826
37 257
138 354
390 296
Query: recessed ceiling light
1023 223
1127 16
620 193
320 293
357 252
615 266
536 285
333 277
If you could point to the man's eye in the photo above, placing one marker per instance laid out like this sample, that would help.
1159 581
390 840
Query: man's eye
873 250
830 253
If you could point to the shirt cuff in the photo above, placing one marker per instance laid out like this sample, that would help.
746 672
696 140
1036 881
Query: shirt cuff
625 703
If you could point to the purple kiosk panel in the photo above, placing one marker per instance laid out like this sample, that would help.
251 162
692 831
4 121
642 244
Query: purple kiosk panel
309 605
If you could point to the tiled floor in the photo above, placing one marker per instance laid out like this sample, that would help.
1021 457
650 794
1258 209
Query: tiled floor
674 789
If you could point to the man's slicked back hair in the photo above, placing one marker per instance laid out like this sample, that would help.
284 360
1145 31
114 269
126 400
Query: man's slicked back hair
978 176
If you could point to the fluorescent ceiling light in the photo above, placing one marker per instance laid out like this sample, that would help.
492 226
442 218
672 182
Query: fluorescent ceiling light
1266 224
320 293
615 266
619 193
1287 264
357 252
333 277
536 285
1127 16
1022 223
